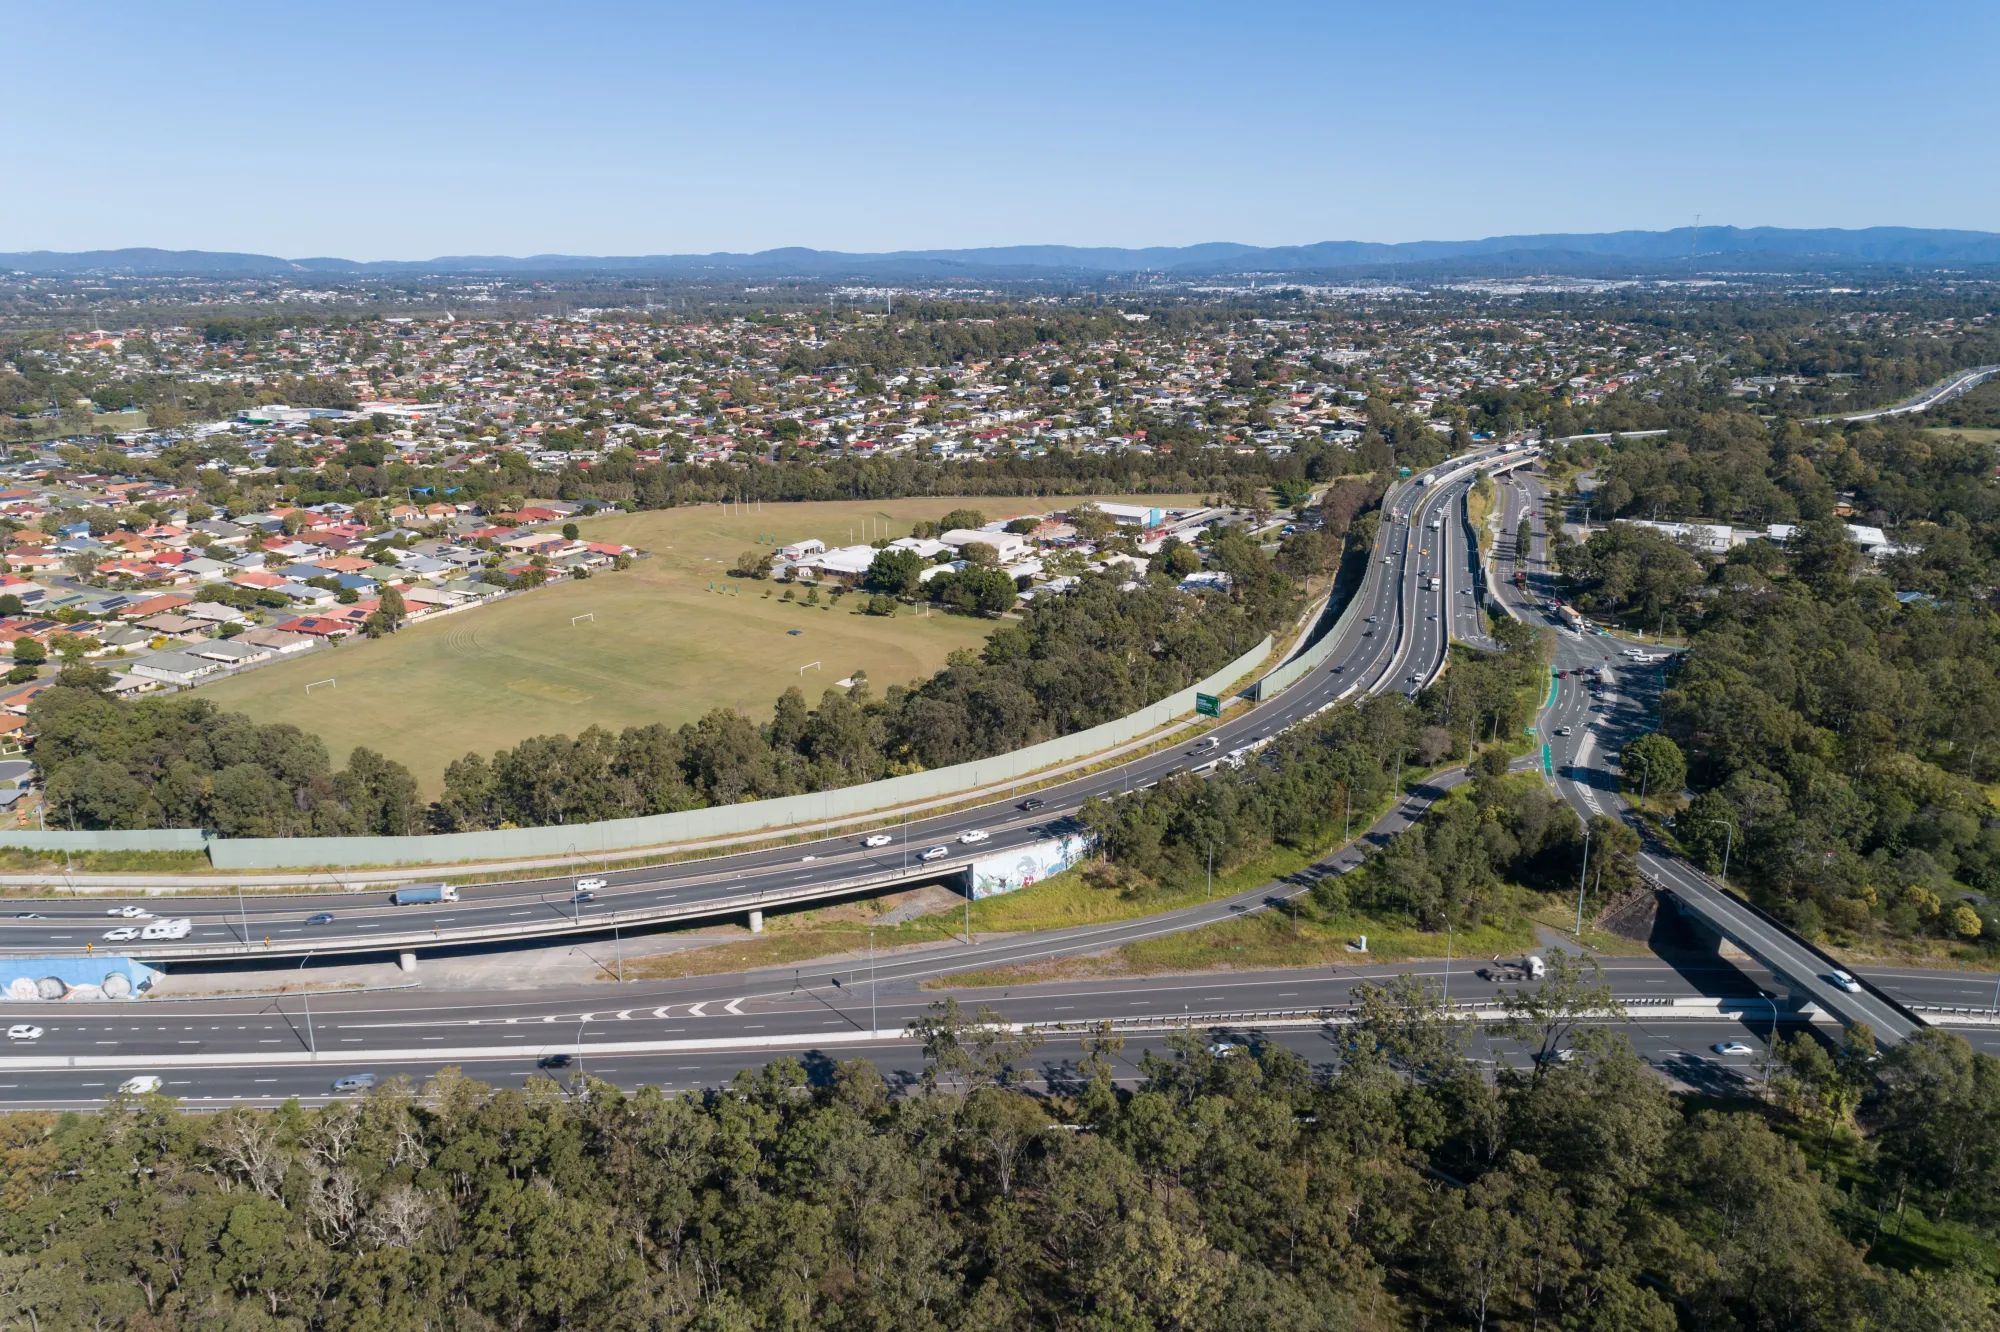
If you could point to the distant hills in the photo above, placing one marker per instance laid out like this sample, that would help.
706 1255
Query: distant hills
1712 248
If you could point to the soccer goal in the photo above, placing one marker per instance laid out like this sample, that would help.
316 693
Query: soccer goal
574 620
328 682
809 666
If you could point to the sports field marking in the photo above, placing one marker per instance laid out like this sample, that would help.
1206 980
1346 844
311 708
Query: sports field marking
317 683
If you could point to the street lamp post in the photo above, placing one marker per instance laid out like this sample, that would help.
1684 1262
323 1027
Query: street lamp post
1581 876
306 995
1211 869
1729 839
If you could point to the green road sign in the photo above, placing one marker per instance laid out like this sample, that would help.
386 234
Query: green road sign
1208 705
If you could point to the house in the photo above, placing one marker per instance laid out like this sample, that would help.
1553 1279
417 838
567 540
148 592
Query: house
923 546
277 640
1206 580
174 668
317 626
230 652
799 550
178 626
212 612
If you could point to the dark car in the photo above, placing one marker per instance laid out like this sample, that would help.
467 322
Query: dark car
1033 803
320 918
553 1061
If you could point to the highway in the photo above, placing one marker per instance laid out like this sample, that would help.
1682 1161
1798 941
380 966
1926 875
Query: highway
1584 730
698 1033
1953 386
1403 646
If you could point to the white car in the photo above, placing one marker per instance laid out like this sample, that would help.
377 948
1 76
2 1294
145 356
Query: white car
935 853
24 1031
139 1086
1731 1048
121 934
591 885
1845 982
877 839
130 913
973 835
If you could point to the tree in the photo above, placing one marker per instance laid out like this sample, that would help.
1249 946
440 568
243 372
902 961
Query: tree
969 520
897 572
571 531
1572 991
753 564
392 607
30 651
1655 763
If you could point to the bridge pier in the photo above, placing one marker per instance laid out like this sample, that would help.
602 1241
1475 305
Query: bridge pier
756 922
407 962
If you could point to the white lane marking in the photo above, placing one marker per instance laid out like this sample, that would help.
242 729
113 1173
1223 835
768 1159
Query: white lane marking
624 1015
661 1011
696 1010
731 1007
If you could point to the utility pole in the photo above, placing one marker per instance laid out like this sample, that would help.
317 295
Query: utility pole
243 914
1211 870
871 980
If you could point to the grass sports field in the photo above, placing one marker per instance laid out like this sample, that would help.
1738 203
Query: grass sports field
660 646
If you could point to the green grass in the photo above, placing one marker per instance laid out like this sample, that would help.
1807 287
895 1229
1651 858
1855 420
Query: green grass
662 646
13 860
1973 434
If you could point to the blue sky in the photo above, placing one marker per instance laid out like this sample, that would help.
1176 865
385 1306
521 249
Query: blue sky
410 130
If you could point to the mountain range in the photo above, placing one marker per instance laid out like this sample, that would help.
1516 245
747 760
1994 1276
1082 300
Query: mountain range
1678 250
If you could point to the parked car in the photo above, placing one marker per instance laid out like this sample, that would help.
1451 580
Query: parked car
972 835
140 1085
24 1031
935 853
354 1082
877 839
320 918
121 934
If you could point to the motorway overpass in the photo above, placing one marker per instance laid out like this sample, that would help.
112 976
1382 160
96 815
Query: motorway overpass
1583 770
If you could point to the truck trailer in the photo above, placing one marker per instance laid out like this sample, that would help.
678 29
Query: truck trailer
415 893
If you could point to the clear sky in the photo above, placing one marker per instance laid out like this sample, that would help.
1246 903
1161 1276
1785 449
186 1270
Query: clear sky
375 131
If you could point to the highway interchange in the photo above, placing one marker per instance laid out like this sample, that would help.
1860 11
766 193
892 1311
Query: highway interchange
699 1032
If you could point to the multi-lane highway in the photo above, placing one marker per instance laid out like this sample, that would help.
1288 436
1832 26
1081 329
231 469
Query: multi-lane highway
1399 643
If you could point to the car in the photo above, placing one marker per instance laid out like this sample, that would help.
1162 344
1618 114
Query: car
553 1061
591 885
1845 982
24 1031
29 915
130 913
1207 742
1430 617
935 853
1563 730
121 934
140 1085
1224 1049
354 1082
1339 668
1415 678
1368 633
794 632
1373 619
1031 804
1564 1056
583 897
877 839
1731 1048
971 835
